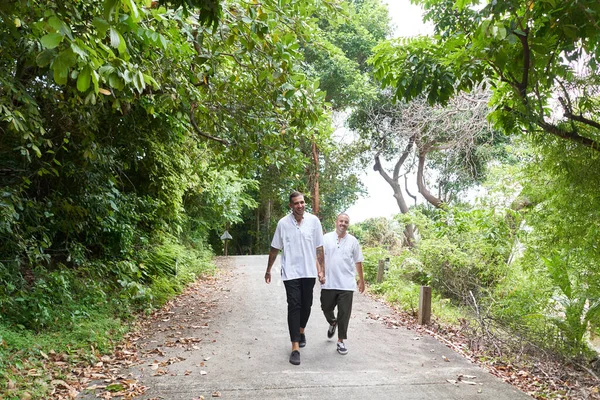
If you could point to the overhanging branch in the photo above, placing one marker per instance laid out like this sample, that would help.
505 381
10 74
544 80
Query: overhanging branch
199 131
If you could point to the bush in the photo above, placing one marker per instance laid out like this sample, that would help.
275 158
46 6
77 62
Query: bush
371 262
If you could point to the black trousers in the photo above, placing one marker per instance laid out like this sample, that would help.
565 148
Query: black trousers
330 298
299 299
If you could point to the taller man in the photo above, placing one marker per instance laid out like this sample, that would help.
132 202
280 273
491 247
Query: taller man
300 236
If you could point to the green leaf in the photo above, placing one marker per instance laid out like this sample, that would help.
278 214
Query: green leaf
79 51
133 10
95 78
115 38
110 8
60 26
138 81
62 64
122 47
101 25
44 58
51 40
83 80
37 151
116 82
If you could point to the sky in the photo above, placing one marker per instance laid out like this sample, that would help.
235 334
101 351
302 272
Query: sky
380 202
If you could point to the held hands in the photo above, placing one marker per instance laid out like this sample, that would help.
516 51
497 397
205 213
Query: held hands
321 277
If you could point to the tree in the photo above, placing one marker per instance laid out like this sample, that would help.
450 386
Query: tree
128 124
538 56
454 141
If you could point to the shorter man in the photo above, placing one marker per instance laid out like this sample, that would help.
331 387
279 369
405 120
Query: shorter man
343 258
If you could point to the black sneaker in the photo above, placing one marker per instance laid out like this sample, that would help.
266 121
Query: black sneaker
295 357
302 342
331 330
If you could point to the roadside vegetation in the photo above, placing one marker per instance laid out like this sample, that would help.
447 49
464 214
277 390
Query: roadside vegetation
133 133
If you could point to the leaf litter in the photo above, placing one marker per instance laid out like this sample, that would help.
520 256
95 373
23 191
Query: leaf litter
151 337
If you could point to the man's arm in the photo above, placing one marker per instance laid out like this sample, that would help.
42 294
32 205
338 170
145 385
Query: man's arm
272 256
361 278
321 264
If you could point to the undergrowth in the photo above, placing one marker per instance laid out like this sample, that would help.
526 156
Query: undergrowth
80 317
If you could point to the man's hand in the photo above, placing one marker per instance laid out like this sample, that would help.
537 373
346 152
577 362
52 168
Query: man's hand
361 286
272 256
322 277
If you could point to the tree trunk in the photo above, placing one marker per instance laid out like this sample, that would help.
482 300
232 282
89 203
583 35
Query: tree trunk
431 199
315 184
409 231
409 234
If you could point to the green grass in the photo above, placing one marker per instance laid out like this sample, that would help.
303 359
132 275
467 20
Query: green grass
23 354
90 319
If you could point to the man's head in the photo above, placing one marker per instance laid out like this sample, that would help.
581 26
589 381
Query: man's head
341 224
297 204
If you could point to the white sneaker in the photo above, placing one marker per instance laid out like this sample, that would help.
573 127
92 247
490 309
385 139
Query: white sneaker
341 348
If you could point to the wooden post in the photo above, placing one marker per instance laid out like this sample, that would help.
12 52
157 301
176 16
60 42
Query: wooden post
226 247
380 271
425 305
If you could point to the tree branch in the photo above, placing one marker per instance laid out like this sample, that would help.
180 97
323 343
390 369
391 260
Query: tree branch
377 167
406 189
199 132
526 61
434 201
570 135
403 157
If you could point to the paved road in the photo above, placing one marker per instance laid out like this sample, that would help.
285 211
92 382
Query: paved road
245 350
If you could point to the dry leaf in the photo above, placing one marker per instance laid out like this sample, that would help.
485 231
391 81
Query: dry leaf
216 394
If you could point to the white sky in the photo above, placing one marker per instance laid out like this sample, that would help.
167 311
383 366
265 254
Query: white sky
380 202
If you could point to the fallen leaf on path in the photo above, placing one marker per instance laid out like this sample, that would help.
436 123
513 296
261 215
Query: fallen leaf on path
216 394
445 359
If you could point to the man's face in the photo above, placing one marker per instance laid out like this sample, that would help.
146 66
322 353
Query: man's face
297 205
341 224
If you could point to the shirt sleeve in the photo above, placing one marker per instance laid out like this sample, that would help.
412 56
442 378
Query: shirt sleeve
277 241
357 252
318 233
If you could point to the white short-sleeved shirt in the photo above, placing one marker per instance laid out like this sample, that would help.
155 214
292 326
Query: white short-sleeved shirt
299 244
340 261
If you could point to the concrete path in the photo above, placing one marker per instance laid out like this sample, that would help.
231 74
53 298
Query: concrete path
244 349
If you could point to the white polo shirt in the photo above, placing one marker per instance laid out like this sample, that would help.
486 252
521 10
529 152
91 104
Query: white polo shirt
299 244
340 261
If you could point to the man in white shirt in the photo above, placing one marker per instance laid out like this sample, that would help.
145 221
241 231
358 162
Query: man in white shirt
300 236
343 258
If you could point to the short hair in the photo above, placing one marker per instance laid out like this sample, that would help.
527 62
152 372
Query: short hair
342 213
294 194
